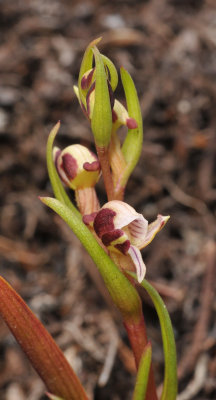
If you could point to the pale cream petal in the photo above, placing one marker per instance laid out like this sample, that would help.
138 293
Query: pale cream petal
125 214
153 229
76 91
138 262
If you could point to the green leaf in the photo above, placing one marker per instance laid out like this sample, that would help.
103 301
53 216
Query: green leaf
121 290
170 375
56 183
112 70
86 65
143 374
132 145
43 353
101 122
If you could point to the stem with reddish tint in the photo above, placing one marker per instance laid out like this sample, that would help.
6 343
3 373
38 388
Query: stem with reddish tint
87 200
138 339
103 157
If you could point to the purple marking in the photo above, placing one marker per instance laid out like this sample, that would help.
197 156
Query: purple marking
88 97
86 80
88 218
140 268
69 165
109 237
111 95
131 123
123 247
114 116
93 166
103 222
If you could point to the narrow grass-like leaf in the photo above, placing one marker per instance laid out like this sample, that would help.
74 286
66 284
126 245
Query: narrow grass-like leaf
121 290
43 353
56 183
143 374
132 145
170 375
101 122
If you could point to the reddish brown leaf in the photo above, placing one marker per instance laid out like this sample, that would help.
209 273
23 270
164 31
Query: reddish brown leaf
43 353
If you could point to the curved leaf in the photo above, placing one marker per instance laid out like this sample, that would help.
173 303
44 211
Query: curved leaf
170 375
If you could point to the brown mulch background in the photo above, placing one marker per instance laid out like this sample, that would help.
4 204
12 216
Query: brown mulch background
169 47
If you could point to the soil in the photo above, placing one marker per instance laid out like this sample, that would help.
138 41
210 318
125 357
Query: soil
169 48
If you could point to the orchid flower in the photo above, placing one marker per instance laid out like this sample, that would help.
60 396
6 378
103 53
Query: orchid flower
79 169
123 231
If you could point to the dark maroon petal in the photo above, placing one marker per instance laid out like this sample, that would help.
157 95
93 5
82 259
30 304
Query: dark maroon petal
108 73
103 222
69 165
88 97
114 116
111 95
109 237
86 80
88 218
131 123
93 166
123 247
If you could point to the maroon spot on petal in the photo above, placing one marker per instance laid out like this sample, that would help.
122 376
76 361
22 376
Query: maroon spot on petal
114 116
86 80
88 97
109 237
88 218
69 166
103 222
93 166
131 123
123 247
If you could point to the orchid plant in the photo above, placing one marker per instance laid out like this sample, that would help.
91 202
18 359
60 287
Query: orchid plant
113 234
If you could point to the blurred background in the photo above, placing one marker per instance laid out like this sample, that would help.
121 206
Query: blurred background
169 48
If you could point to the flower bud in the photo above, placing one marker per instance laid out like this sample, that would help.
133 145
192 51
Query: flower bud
77 166
120 116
